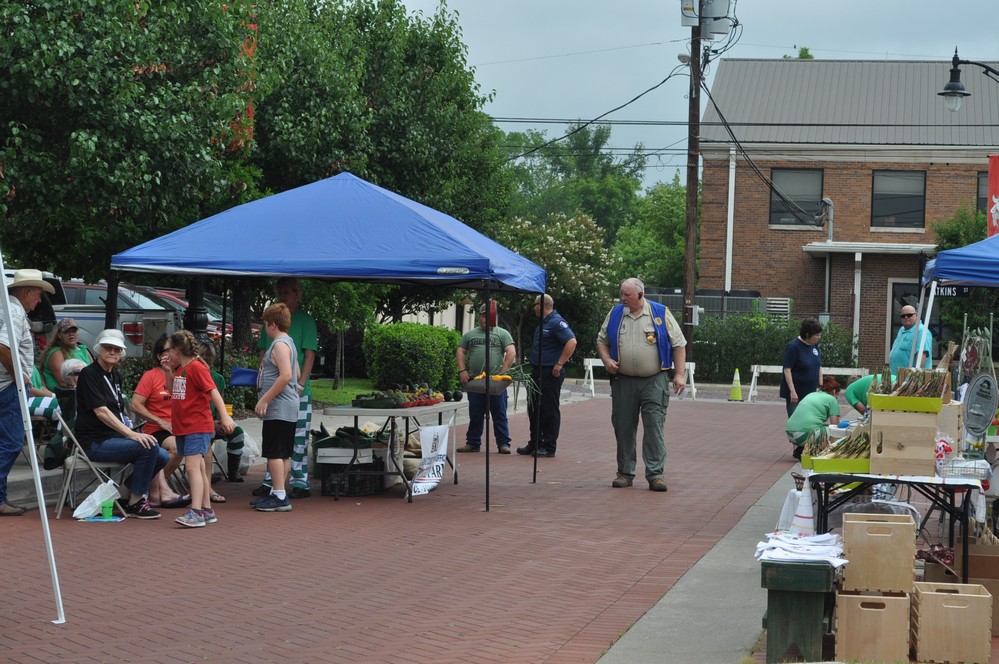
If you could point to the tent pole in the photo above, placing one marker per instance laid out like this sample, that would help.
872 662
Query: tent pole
487 422
22 391
913 354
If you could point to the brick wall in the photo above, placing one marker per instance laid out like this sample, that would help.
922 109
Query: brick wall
772 261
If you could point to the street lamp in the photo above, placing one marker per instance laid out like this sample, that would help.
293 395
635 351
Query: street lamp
954 92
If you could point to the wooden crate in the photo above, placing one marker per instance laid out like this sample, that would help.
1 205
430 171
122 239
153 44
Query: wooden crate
950 420
881 549
903 443
951 622
872 628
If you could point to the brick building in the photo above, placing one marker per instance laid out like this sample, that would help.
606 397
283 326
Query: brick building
871 136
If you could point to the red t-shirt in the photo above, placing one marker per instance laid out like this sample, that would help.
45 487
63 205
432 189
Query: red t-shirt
152 385
192 387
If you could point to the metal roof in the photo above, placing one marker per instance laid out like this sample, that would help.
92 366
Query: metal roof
849 102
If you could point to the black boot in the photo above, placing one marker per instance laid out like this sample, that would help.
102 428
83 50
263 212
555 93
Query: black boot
233 469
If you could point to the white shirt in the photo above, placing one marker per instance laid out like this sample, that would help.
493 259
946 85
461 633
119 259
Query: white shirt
21 327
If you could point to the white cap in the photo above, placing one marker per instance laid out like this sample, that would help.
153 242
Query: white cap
111 338
71 366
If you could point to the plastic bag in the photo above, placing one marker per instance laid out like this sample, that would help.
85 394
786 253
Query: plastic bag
251 452
91 506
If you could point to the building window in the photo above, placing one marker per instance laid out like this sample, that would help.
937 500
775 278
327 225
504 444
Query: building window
898 199
983 192
803 188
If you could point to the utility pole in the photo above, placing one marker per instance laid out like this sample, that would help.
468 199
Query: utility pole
693 159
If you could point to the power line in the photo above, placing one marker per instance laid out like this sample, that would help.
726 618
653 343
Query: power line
575 53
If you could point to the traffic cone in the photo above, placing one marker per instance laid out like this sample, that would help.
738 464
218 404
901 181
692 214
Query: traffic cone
736 393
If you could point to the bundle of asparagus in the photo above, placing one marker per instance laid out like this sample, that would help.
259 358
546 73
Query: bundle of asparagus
912 383
856 445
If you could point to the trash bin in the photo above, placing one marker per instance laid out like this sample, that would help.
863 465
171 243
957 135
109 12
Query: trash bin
800 600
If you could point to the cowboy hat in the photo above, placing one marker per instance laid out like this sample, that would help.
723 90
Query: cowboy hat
30 279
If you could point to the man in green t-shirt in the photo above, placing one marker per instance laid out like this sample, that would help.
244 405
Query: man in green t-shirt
303 333
471 359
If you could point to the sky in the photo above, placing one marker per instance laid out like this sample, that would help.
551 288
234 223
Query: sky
578 59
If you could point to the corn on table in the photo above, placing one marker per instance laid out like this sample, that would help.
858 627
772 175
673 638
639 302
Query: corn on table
389 415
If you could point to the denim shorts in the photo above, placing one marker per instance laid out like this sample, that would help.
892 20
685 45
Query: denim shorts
194 443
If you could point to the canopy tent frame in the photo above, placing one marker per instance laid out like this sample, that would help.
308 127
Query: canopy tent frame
340 229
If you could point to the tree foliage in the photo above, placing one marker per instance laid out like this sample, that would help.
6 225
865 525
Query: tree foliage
653 247
580 274
966 227
121 121
577 174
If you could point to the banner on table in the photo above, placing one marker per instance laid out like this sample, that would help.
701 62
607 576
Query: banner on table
992 202
433 440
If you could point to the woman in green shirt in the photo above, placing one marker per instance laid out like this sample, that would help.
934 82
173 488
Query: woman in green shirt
64 346
813 413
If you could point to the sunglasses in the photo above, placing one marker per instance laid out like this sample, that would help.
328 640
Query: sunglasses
908 315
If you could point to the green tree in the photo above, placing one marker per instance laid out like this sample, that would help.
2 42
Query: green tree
803 54
121 121
966 227
579 173
579 269
653 247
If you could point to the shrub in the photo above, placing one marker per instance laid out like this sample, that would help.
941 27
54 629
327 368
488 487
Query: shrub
722 345
406 353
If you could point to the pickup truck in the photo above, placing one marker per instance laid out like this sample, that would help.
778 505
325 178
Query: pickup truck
85 303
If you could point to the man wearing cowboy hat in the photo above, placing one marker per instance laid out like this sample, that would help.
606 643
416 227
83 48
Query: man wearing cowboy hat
25 294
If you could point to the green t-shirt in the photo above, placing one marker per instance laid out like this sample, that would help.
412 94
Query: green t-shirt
474 343
856 392
812 412
303 333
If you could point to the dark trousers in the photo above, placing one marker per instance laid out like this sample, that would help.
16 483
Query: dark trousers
546 424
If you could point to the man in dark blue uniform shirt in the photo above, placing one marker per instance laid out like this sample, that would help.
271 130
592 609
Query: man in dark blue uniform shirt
554 344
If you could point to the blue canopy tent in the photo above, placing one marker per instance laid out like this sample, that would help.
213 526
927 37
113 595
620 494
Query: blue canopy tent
340 229
976 264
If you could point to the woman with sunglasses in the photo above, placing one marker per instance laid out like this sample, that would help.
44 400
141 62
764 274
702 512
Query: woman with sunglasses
65 345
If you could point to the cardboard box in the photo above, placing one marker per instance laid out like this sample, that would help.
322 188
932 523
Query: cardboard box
951 622
881 549
903 443
935 572
883 402
983 560
872 628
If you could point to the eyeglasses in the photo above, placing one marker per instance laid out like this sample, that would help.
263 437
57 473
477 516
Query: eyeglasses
908 315
114 350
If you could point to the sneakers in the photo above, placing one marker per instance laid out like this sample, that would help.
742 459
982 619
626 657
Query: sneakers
299 492
191 520
261 491
622 481
467 448
504 449
210 516
544 454
272 503
658 484
526 449
141 510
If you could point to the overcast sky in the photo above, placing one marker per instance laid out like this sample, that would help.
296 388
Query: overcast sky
569 59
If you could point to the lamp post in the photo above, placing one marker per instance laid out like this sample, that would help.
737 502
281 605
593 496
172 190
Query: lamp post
954 92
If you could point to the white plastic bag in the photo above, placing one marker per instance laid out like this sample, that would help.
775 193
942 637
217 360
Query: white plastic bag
251 452
91 505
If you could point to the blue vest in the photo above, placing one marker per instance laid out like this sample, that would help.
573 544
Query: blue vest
659 312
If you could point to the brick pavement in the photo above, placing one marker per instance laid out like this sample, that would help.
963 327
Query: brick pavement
554 572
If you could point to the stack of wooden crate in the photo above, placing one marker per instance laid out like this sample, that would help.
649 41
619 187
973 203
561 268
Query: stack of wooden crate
903 435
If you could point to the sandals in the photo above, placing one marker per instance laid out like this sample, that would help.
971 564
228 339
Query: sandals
180 501
217 498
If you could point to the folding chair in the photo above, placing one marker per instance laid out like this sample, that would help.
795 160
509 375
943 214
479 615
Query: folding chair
101 471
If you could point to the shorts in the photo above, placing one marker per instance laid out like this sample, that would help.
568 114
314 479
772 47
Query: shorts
194 443
279 439
160 435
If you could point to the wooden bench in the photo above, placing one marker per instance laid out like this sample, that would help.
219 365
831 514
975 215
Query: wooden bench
591 362
778 369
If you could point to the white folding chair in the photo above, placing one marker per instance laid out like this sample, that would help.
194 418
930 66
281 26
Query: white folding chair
78 461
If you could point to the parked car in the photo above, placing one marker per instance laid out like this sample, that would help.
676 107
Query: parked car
214 305
155 316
